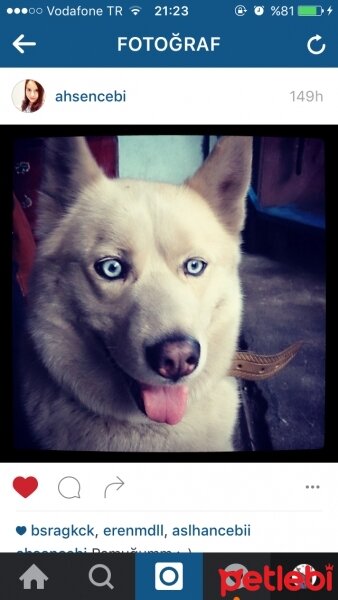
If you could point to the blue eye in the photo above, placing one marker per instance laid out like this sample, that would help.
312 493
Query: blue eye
194 266
111 268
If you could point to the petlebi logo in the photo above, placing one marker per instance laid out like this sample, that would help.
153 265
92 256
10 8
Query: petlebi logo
235 577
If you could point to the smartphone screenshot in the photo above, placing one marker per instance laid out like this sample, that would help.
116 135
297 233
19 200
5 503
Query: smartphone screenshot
168 416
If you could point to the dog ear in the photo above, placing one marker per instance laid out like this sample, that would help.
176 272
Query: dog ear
68 167
223 180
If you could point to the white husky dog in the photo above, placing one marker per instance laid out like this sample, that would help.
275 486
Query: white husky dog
135 305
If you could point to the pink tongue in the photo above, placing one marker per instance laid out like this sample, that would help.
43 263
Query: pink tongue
165 404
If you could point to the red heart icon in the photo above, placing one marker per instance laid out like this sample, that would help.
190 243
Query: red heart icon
25 486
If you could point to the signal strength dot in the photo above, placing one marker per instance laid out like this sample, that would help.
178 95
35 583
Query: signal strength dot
135 10
17 11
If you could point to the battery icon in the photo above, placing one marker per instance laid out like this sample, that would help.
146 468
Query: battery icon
310 11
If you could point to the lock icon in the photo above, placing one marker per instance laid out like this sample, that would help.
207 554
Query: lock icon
240 10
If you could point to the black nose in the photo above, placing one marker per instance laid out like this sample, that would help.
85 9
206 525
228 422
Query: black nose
174 357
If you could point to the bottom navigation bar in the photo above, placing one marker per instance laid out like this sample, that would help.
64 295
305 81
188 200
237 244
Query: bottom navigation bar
129 576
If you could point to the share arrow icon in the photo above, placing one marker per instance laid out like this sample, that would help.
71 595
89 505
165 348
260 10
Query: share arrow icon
118 485
18 43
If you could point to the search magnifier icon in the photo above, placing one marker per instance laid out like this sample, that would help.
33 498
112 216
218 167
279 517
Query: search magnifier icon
97 581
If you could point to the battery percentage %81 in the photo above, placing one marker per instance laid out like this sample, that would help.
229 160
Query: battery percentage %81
282 11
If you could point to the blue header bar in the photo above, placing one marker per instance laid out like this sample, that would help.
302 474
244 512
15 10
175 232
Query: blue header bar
146 33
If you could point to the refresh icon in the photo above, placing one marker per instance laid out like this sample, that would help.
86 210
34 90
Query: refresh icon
312 45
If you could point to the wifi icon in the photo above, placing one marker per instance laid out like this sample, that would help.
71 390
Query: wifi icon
135 10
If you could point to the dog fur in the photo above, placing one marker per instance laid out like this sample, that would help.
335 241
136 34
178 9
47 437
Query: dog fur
87 373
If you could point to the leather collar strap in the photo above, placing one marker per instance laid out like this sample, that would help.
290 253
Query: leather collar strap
247 365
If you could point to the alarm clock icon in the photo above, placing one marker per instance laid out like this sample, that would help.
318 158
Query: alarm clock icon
259 10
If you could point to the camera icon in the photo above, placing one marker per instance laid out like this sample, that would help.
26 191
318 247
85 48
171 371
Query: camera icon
169 576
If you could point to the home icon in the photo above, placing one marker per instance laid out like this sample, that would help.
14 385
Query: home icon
33 578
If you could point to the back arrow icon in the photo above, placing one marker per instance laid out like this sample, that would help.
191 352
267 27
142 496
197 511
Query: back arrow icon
18 43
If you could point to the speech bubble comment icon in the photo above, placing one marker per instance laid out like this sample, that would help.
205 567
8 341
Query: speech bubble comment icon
69 487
